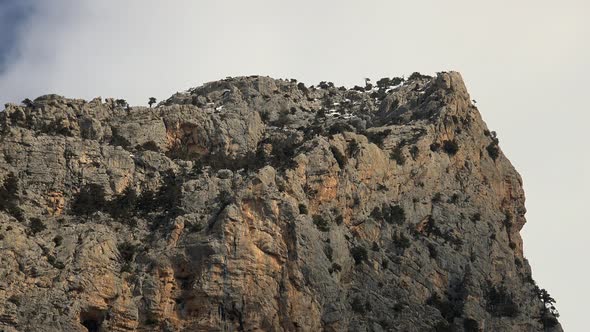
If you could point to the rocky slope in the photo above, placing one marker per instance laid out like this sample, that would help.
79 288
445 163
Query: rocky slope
255 204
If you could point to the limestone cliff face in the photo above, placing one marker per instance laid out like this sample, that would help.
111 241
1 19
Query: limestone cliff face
254 204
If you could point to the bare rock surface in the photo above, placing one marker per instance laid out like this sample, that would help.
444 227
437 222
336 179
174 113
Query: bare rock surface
255 204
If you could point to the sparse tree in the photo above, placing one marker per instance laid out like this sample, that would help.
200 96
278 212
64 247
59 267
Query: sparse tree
359 254
383 83
548 302
36 226
415 75
123 206
9 197
89 200
152 101
451 147
27 102
549 313
121 103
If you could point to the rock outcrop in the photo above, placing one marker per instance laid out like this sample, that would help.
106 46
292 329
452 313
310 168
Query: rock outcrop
255 204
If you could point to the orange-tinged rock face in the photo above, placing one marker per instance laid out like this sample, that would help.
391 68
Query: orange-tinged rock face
327 189
256 235
175 234
56 203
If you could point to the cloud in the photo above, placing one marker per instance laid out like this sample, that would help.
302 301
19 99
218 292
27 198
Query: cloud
12 16
135 49
29 65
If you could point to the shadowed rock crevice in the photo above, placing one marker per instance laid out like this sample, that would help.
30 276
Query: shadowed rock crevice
92 319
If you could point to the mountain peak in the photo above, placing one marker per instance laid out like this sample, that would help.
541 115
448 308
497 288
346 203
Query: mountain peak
253 203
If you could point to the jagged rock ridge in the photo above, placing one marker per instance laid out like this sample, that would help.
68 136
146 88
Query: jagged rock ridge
260 204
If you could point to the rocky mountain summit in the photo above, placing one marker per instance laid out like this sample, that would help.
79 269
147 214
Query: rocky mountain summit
256 204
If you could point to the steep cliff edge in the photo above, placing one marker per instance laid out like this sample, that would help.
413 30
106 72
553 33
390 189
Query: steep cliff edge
255 204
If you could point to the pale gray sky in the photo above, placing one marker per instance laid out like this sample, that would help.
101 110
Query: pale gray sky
527 63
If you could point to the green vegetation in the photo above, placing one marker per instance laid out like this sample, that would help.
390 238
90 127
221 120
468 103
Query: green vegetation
432 229
57 240
353 148
302 88
437 198
447 308
414 151
377 137
150 146
359 254
152 101
152 320
340 127
55 263
499 302
303 209
9 197
398 156
359 306
335 268
341 159
195 227
507 222
89 200
432 252
127 251
375 246
123 206
493 151
27 102
416 75
121 103
166 200
401 240
321 223
385 82
36 226
470 325
329 252
450 147
454 199
493 148
392 214
549 313
434 147
170 194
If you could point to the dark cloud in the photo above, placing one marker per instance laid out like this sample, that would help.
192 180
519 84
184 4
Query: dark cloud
13 14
